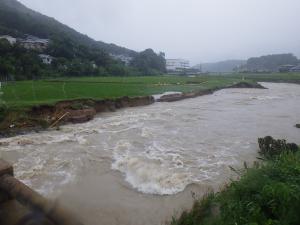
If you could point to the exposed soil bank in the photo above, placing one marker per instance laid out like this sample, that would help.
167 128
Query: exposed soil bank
82 110
177 97
74 111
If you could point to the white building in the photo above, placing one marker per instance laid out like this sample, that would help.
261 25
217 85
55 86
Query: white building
10 39
177 65
47 59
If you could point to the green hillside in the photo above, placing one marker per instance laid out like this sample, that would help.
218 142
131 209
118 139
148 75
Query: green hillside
75 54
17 20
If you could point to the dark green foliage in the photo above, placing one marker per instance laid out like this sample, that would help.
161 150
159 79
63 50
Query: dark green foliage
19 63
267 194
200 212
270 63
270 147
149 63
3 112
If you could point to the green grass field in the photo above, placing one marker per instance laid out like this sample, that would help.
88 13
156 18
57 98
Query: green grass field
29 93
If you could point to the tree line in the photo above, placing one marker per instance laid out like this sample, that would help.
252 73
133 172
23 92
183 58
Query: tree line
270 63
71 60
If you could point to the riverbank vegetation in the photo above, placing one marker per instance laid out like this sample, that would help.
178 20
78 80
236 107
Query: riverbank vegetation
266 194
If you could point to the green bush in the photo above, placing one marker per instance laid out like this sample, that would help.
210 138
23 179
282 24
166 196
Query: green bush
268 194
3 112
270 147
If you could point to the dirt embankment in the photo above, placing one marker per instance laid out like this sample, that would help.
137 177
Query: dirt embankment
177 97
82 110
72 111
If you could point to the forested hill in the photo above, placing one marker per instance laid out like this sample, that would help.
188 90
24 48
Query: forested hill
72 53
227 66
270 63
17 20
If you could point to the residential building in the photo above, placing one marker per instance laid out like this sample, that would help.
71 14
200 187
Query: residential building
35 43
10 39
285 68
295 69
177 65
47 59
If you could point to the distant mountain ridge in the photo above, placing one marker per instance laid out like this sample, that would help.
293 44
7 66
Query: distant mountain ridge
226 66
17 20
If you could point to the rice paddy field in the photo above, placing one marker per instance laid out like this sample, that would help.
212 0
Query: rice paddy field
29 93
22 94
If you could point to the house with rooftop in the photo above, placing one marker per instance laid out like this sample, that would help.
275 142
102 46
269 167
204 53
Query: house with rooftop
46 59
295 69
34 43
10 39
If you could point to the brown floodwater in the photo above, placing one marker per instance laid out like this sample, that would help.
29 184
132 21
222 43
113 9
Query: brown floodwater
143 165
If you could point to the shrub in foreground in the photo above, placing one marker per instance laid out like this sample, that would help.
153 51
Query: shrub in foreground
267 194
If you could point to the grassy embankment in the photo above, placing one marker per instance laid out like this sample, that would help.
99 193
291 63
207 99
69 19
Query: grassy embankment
267 194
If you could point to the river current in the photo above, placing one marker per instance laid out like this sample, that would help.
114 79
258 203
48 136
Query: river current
162 148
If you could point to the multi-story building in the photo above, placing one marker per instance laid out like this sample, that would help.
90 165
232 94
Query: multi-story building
177 65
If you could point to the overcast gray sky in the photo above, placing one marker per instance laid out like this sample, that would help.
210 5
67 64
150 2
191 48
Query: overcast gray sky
198 30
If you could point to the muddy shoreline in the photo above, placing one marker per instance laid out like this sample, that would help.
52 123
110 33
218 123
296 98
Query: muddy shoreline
43 117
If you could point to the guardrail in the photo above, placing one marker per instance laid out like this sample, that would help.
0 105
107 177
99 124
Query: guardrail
40 208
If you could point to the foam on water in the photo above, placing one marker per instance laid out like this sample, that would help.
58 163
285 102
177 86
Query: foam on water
151 176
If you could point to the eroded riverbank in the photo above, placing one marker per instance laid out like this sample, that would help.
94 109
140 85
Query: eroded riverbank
41 117
102 169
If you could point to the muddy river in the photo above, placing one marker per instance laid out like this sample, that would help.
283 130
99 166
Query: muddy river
141 165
